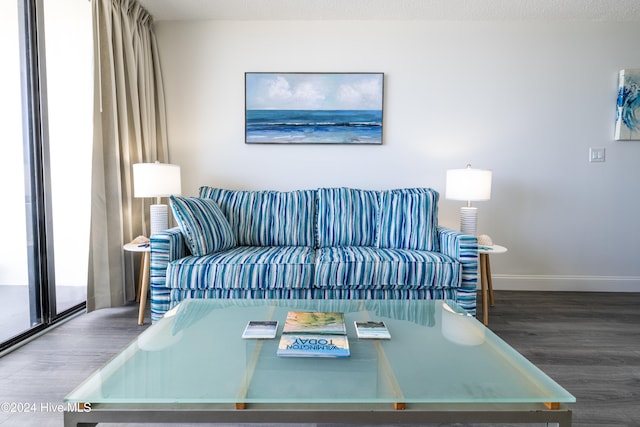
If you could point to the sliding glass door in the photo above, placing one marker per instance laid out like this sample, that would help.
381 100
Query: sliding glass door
45 157
19 305
69 74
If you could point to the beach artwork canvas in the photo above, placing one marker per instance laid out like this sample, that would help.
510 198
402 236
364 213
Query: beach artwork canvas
628 106
313 108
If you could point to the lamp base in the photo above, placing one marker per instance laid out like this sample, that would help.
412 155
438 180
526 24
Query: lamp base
468 220
159 217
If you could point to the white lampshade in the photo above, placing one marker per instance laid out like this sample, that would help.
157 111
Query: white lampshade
156 180
468 184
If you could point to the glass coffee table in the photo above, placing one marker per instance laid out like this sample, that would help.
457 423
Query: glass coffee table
440 365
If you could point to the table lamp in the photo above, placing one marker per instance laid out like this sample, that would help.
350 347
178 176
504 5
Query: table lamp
470 185
156 180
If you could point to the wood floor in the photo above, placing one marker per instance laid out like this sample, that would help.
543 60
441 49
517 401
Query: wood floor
588 342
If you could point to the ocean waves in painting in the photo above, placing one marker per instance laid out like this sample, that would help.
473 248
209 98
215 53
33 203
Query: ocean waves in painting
314 126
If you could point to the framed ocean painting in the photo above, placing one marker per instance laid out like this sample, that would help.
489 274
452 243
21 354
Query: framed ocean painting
313 108
628 106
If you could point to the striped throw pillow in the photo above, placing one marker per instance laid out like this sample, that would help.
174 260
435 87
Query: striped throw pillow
267 218
409 219
203 225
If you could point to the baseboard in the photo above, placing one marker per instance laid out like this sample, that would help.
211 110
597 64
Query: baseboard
566 283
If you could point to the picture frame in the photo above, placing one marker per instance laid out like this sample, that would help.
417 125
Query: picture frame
628 106
314 108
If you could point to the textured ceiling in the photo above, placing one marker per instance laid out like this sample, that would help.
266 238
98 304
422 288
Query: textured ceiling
440 10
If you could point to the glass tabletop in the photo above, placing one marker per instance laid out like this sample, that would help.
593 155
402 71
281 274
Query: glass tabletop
437 353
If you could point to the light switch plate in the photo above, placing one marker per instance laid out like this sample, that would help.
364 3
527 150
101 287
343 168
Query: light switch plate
596 154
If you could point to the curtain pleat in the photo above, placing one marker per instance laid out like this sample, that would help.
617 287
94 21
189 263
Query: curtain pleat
129 127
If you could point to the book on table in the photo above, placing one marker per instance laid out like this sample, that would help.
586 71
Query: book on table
314 334
372 330
307 345
314 322
260 329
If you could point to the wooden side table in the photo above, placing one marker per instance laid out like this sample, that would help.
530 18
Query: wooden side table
143 278
485 277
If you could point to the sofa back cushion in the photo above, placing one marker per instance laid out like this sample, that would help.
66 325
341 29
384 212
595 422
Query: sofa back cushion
347 217
408 219
267 218
204 226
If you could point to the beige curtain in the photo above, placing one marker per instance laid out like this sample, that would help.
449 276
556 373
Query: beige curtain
129 127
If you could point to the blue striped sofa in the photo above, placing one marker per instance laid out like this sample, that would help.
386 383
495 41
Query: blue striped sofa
333 243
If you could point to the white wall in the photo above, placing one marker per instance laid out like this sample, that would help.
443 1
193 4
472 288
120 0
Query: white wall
526 99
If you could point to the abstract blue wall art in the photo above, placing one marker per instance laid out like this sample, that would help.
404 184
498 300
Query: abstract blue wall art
313 108
628 108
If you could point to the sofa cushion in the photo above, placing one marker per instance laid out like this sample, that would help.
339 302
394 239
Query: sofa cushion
360 267
267 218
409 219
245 267
347 217
203 224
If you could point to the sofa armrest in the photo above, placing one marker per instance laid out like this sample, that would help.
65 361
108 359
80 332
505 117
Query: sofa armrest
463 248
166 246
